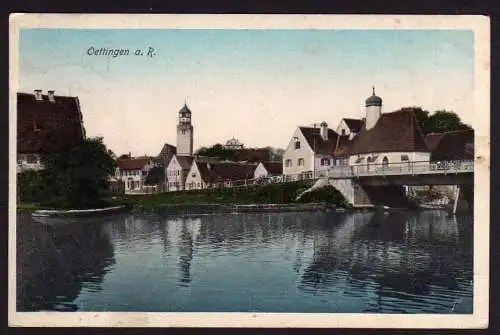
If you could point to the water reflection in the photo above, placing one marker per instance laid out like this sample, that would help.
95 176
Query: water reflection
55 262
288 262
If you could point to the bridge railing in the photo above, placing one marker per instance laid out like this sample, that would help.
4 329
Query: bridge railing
405 168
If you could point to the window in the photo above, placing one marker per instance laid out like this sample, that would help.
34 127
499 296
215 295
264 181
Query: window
199 185
405 158
385 162
300 162
325 161
343 132
193 175
297 142
372 159
288 163
178 172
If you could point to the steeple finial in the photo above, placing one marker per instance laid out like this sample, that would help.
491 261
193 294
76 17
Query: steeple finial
373 88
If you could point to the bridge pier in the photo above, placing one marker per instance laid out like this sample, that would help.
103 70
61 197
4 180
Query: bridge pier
360 195
465 198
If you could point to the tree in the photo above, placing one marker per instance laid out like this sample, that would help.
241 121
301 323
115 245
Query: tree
77 177
440 121
155 176
444 121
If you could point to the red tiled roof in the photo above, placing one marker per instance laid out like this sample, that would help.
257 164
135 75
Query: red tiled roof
224 171
396 131
45 126
132 163
455 145
273 167
317 143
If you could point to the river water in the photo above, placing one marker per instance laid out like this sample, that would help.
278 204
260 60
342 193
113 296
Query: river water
420 262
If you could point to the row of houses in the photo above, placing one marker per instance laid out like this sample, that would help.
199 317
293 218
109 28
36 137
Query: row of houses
47 122
187 173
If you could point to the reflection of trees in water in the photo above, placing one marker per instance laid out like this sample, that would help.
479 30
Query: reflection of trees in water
54 262
402 251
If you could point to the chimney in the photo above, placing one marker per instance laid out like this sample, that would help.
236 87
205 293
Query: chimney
51 96
323 130
38 95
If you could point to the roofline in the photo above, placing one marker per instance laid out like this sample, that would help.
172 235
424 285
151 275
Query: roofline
379 152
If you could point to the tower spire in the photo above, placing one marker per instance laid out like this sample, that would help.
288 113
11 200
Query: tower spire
373 88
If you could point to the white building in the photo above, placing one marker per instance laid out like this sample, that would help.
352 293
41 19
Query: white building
310 149
205 174
233 144
387 138
268 169
133 173
199 176
177 171
184 133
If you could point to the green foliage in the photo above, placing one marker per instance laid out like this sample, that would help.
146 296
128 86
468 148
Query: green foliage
155 176
271 193
328 194
74 178
437 122
217 151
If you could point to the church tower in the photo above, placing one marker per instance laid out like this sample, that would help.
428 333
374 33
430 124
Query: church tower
184 133
373 110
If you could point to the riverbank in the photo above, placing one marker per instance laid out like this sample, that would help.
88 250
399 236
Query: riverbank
259 198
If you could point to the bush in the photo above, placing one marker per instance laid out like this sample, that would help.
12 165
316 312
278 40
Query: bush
328 194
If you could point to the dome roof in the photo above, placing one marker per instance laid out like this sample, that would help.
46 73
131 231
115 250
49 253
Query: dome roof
374 100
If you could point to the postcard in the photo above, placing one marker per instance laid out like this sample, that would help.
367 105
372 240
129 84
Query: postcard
249 171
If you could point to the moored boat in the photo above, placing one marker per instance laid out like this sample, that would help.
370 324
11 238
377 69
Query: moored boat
75 213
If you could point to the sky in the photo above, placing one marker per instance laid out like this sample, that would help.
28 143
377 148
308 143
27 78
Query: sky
255 85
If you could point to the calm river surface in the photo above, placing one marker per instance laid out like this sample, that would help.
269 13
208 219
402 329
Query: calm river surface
417 262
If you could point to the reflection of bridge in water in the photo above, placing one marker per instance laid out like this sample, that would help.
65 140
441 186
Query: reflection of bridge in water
411 256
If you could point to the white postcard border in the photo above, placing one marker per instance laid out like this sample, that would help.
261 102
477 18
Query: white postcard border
480 25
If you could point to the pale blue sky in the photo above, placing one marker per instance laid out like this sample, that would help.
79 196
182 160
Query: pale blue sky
256 85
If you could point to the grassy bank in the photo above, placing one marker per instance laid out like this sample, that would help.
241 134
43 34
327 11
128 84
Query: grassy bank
267 194
280 194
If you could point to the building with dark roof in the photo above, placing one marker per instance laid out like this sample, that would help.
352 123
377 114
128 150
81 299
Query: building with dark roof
205 174
450 146
388 138
349 127
133 171
268 169
46 123
310 149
